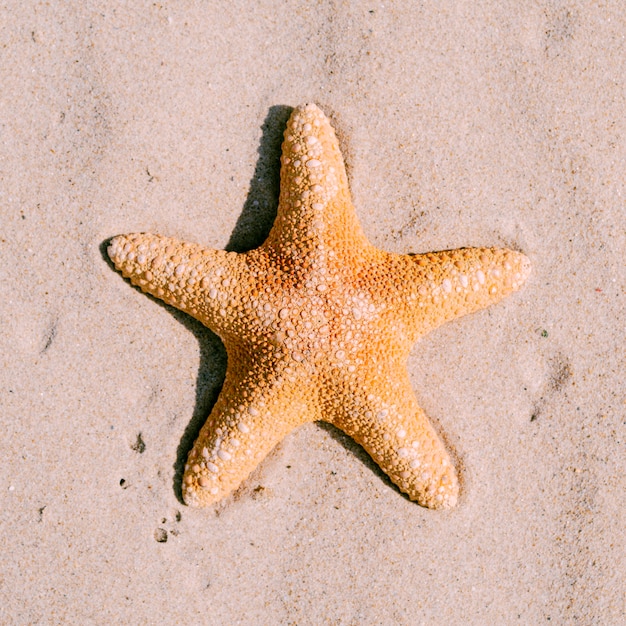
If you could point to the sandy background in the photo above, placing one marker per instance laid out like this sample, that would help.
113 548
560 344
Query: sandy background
462 123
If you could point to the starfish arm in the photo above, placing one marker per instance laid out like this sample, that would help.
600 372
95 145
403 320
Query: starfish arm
255 410
383 416
436 287
197 280
314 208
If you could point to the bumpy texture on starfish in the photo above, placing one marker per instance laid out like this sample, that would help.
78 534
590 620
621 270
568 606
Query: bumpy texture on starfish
318 325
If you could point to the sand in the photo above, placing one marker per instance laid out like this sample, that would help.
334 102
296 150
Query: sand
462 124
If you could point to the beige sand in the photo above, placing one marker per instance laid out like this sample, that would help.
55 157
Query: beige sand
462 123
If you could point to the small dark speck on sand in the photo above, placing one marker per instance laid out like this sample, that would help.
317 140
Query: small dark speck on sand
139 445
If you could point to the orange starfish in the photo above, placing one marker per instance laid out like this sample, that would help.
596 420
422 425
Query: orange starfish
318 325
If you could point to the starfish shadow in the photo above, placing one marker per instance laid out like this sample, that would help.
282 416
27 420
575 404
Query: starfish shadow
259 210
250 231
361 454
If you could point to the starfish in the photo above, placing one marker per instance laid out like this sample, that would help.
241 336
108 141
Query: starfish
318 325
